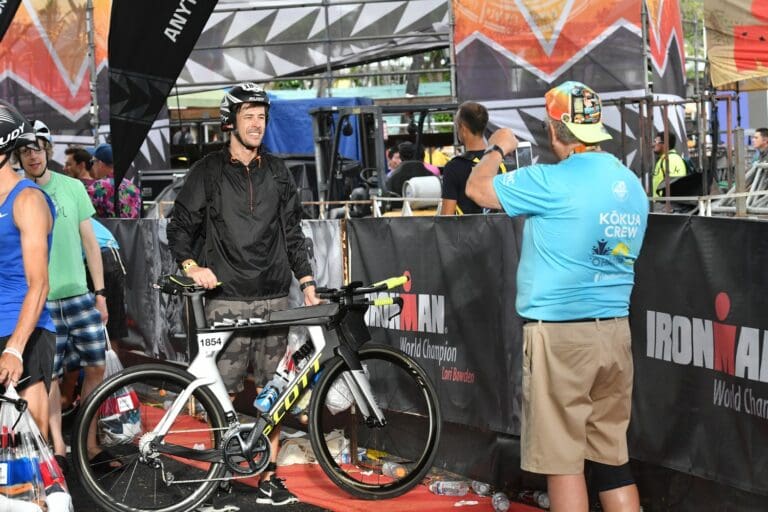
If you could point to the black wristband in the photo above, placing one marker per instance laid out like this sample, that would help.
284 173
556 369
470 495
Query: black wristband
101 291
307 284
493 148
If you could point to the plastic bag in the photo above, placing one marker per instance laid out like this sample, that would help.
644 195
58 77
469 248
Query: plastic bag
30 478
340 397
119 415
295 451
297 353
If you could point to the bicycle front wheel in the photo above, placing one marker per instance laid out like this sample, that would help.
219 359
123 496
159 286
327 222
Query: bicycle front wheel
367 460
133 471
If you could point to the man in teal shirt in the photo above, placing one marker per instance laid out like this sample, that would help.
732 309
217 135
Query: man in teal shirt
586 221
114 280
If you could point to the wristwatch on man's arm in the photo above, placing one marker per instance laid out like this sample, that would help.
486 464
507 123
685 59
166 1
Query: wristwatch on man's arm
188 264
493 148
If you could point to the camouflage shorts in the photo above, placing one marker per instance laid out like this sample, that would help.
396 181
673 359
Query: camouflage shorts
262 351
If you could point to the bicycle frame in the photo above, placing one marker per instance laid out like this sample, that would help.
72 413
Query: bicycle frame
192 443
212 340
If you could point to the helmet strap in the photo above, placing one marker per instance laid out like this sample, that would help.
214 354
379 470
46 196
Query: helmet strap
45 169
39 175
6 157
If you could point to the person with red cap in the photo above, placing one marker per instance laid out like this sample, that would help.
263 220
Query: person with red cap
586 219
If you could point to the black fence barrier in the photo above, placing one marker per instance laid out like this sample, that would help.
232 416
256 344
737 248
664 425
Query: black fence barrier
701 355
699 335
701 349
458 319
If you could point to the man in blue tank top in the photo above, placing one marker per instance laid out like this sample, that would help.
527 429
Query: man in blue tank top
27 334
586 221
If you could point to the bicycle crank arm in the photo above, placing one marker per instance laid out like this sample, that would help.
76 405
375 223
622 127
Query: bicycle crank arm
254 435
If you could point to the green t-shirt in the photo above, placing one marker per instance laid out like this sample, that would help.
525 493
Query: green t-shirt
66 270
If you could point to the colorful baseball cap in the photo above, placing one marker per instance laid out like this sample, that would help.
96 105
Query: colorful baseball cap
579 108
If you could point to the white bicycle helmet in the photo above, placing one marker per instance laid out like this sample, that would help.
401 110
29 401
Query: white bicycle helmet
42 131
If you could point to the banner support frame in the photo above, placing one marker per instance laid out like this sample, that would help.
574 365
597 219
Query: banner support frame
646 58
90 28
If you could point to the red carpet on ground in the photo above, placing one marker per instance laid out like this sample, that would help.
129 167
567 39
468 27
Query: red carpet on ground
312 486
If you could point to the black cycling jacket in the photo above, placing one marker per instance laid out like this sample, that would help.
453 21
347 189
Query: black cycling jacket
253 239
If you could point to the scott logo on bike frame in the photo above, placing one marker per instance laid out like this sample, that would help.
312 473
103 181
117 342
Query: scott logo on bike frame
293 394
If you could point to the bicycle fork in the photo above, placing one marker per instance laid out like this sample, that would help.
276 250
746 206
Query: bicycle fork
360 387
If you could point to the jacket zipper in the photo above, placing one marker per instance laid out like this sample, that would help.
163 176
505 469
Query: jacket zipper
250 188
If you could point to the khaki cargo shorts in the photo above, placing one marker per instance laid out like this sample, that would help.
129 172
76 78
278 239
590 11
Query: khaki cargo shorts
262 351
577 395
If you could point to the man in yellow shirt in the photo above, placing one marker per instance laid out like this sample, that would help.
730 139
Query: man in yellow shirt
667 158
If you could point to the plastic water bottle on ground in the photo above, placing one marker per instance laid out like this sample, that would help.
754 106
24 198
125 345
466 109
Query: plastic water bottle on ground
345 457
542 500
481 488
500 502
268 396
393 470
536 498
449 487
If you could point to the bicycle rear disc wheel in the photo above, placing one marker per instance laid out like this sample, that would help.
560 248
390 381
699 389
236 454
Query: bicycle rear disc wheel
119 414
352 450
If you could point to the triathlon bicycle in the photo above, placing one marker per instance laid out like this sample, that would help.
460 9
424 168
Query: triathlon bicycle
189 440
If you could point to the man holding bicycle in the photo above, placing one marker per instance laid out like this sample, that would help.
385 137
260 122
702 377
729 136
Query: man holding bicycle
586 222
242 203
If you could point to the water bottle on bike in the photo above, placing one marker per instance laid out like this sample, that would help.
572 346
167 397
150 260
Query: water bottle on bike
268 396
271 391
